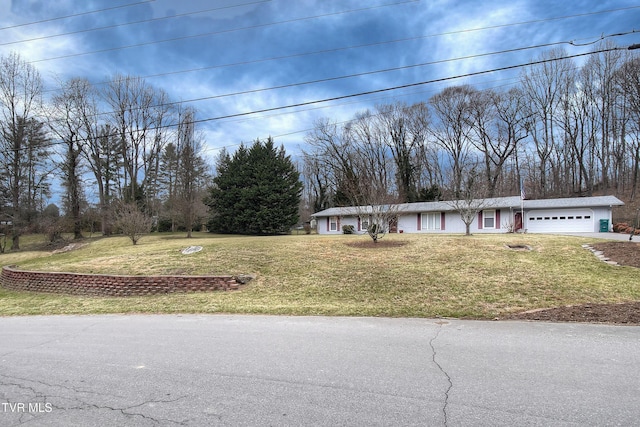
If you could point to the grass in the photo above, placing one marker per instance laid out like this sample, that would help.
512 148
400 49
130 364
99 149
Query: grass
417 276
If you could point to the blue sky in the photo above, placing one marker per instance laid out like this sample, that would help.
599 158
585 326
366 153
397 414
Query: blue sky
199 50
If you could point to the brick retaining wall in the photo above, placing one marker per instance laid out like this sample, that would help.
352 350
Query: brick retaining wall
106 285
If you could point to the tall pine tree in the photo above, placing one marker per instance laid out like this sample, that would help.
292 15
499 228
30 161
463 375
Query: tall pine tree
256 191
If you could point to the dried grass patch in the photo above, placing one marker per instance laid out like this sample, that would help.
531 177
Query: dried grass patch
402 275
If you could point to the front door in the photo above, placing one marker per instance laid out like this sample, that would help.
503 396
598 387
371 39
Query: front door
393 225
518 221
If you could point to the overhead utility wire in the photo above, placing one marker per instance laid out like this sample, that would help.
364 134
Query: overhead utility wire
76 15
370 92
166 104
386 70
298 55
288 21
143 21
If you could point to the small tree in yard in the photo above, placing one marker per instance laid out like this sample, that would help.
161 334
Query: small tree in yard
133 222
471 199
378 218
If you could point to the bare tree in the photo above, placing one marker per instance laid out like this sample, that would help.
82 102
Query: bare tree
331 155
318 188
472 198
191 177
597 78
69 121
132 221
169 169
20 100
360 169
371 191
403 128
137 118
628 80
498 125
544 85
452 129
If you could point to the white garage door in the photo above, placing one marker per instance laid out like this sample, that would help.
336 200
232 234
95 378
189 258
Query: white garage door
560 220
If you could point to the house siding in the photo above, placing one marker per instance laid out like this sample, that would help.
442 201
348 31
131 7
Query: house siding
411 221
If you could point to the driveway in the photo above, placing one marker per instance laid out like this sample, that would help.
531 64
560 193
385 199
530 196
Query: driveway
196 370
610 236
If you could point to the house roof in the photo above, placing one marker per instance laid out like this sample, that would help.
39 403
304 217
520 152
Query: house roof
493 203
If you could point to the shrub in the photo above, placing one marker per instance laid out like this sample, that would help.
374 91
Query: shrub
348 229
307 228
132 221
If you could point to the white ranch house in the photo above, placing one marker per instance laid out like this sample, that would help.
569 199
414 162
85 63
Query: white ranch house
499 215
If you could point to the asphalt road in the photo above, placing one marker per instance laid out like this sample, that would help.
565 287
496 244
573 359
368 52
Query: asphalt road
195 370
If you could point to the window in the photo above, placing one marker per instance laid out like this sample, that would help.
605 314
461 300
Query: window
364 223
431 221
333 223
489 219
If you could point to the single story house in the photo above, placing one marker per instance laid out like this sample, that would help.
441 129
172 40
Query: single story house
498 215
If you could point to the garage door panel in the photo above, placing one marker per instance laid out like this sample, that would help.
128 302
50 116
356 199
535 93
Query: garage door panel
560 220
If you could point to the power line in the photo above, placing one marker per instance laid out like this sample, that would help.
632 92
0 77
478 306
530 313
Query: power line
383 90
298 55
386 70
329 79
76 15
132 23
400 87
212 33
388 89
370 92
602 37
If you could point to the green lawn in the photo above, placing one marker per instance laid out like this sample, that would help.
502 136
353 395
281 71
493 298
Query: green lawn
426 276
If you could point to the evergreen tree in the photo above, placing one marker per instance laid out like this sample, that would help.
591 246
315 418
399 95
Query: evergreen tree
256 191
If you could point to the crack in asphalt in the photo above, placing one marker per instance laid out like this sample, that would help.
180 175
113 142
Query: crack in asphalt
127 411
435 362
80 404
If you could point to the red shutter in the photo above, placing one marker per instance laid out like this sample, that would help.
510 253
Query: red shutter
419 221
497 218
441 220
480 220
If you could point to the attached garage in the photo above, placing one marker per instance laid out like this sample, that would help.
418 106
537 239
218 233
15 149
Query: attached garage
560 221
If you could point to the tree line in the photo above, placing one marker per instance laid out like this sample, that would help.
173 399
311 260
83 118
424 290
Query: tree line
123 143
126 146
561 131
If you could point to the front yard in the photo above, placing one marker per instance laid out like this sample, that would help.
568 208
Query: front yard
405 275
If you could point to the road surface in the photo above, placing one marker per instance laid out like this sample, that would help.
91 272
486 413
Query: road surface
197 370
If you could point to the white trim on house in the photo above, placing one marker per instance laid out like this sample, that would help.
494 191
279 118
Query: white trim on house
489 219
579 214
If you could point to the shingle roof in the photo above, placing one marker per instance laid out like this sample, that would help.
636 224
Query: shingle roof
496 202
